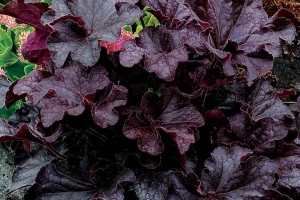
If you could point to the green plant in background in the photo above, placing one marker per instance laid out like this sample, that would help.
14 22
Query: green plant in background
148 19
12 63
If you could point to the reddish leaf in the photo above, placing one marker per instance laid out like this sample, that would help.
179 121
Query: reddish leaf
226 177
161 57
101 21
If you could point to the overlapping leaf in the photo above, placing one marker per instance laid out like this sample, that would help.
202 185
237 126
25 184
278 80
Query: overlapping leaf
72 86
161 56
255 135
55 181
264 103
246 24
104 112
35 48
25 174
170 117
100 20
173 11
226 177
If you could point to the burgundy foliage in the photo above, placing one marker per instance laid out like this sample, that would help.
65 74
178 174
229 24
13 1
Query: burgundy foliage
184 111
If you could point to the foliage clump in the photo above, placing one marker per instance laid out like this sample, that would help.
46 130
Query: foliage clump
169 102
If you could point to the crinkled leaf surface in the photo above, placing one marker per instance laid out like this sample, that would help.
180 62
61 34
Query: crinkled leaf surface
104 112
35 48
72 84
183 186
161 57
172 10
101 21
290 178
176 119
246 24
264 103
60 181
25 174
254 135
152 186
28 85
226 177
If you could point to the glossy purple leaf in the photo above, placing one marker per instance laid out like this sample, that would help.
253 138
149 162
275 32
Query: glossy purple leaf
254 135
226 177
265 103
246 24
99 21
27 132
175 119
72 85
25 174
54 108
57 181
35 48
103 112
183 186
161 57
174 11
28 85
285 155
290 178
152 186
149 140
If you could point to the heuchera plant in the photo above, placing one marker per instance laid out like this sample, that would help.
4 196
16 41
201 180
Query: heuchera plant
183 111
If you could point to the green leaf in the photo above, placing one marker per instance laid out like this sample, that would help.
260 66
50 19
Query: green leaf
7 57
47 1
6 113
28 69
152 21
139 28
15 72
128 28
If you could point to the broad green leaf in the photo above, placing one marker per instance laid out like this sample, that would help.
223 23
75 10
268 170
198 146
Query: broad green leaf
7 58
28 69
6 113
15 71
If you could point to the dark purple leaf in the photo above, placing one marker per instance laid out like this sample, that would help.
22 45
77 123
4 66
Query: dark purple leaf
60 181
274 195
54 108
285 155
27 132
183 186
176 119
246 24
255 135
4 86
104 112
174 11
101 21
149 140
25 174
226 177
264 103
72 86
152 186
161 57
35 48
28 85
290 178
